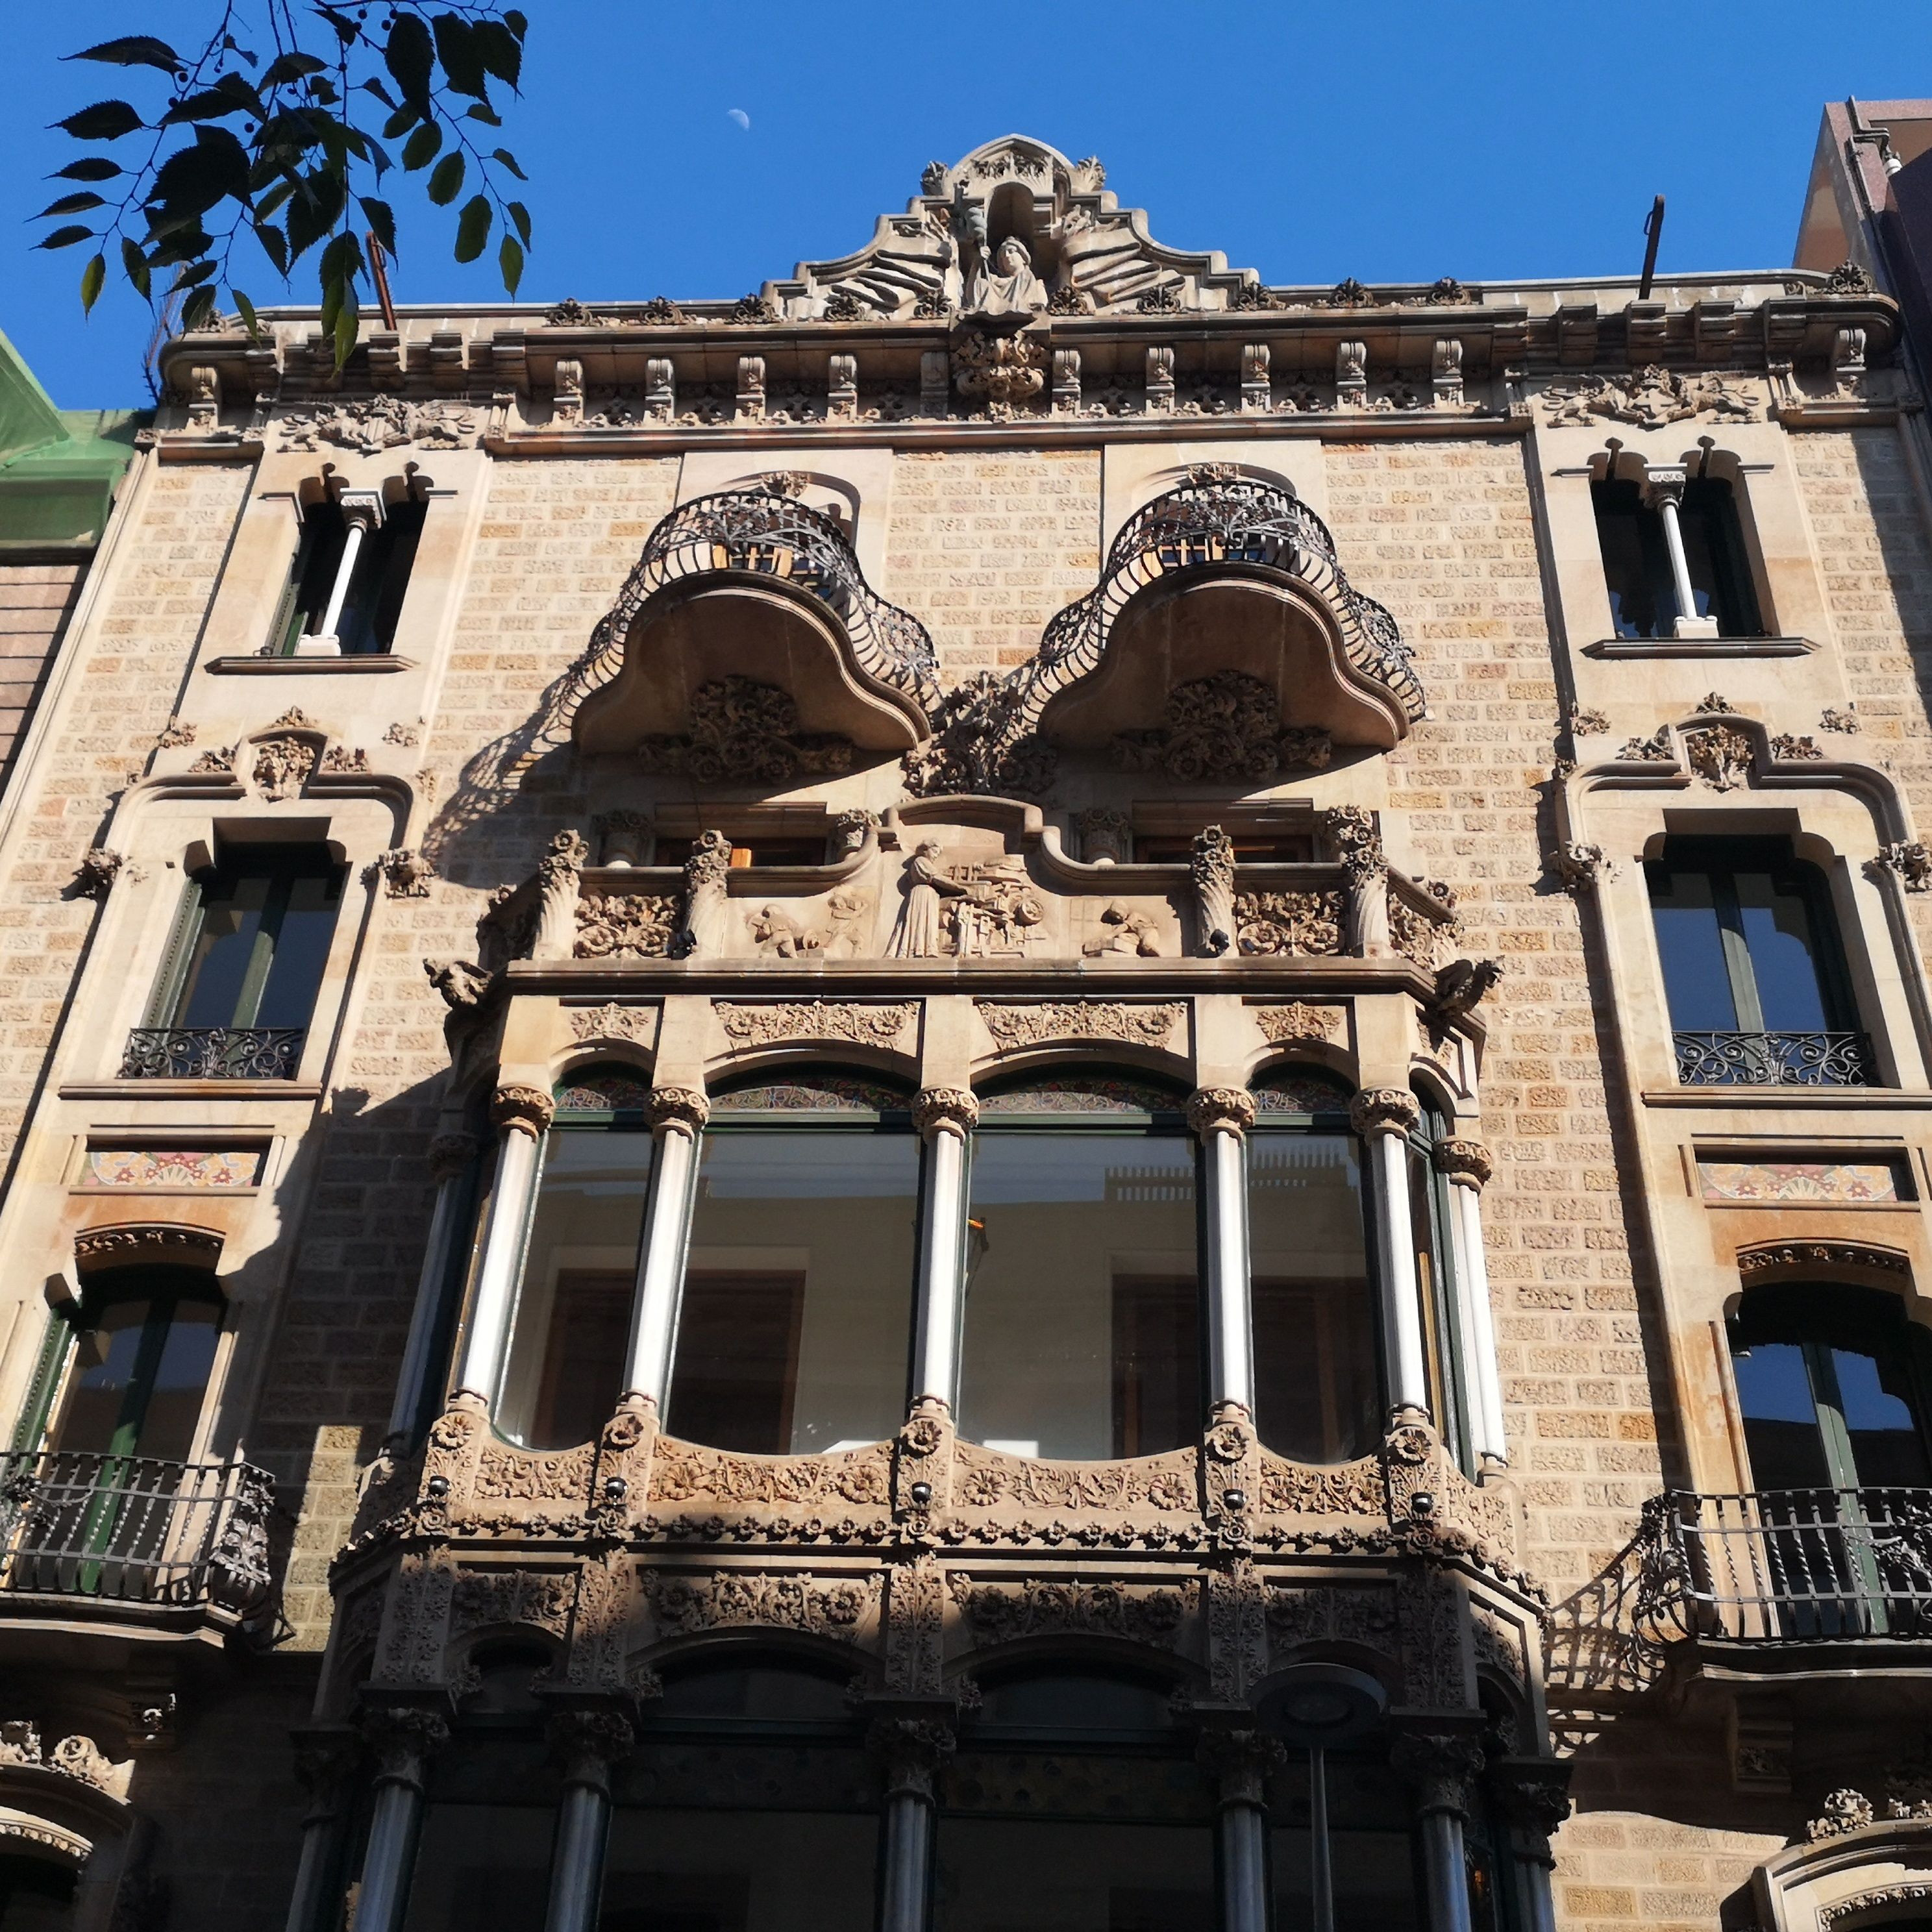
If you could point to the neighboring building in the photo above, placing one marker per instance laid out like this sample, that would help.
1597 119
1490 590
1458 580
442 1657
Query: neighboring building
1021 1089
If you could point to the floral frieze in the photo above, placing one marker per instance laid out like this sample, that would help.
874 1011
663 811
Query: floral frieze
1016 1025
764 1023
173 1167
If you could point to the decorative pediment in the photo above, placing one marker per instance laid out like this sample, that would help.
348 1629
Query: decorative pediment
748 637
952 252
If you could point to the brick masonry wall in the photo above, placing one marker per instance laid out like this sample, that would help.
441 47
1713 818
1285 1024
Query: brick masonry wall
36 600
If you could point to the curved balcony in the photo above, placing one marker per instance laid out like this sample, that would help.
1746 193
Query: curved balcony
751 584
1229 575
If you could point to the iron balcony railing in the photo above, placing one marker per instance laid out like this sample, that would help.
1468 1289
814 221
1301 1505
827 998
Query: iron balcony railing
213 1053
131 1529
1774 1059
1227 521
772 535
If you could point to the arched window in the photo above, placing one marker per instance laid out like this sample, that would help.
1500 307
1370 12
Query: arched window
795 1322
567 1349
1082 1321
1318 1393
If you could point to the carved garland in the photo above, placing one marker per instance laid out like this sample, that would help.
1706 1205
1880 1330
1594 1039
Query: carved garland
763 1025
1015 1026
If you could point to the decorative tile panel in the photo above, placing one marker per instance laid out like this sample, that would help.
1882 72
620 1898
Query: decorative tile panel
1852 1183
173 1167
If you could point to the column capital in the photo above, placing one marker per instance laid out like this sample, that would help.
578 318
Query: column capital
681 1107
522 1110
449 1154
325 1756
1467 1161
912 1750
1664 483
586 1742
1439 1767
1241 1761
1533 1793
1220 1110
364 507
936 1108
399 1737
1383 1110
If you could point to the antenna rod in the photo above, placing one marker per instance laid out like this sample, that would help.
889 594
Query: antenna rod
1653 227
379 267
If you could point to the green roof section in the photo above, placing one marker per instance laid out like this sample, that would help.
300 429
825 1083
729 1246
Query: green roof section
58 468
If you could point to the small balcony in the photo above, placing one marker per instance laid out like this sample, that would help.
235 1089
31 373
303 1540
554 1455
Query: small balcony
98 1539
1774 1059
213 1053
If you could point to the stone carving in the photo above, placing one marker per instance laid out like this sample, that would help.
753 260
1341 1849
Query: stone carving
1224 1108
704 928
935 1107
822 1607
1654 750
405 872
1846 279
1357 840
624 838
191 1245
1820 1254
1383 1110
1440 1768
981 909
1579 865
1715 702
570 313
1652 398
1297 1021
1721 756
979 745
1226 727
682 1471
1002 1612
1007 285
1007 370
176 735
341 761
625 925
461 983
985 1480
523 1110
1106 836
911 1750
1584 724
449 1154
774 930
1348 293
612 1022
283 766
1013 1026
1132 932
1845 1810
375 424
1460 987
558 873
484 1598
1908 860
1790 745
849 828
1211 868
94 877
1864 1902
764 1025
1298 1616
1289 923
75 1757
1832 719
745 733
1462 1159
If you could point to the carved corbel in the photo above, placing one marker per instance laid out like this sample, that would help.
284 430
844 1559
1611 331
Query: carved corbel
1160 380
1445 373
557 883
523 1110
841 388
1256 390
944 1110
567 406
707 909
402 1739
751 388
1383 1110
661 389
1066 394
683 1109
1227 1110
1467 1162
1534 1795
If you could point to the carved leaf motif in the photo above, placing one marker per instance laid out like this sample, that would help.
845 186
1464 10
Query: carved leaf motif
1298 1021
1000 1613
683 1470
541 1598
1346 1489
983 1479
1289 923
1017 1026
863 1025
622 925
531 1475
822 1607
1226 727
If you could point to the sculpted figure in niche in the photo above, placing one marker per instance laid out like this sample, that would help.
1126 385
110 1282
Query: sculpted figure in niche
1134 932
919 934
1009 286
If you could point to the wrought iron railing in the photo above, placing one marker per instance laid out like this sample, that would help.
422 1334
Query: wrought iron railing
212 1053
1771 1566
1237 521
132 1529
773 535
1774 1059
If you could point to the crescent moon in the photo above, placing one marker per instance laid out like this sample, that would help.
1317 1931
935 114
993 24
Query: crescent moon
738 115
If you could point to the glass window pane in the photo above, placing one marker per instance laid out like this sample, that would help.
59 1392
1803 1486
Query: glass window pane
1043 1875
228 945
742 1871
795 1324
566 1361
1081 1256
103 1372
1316 1393
482 1865
302 939
1714 549
1690 946
1781 1433
1372 1873
1778 935
172 1410
1875 1396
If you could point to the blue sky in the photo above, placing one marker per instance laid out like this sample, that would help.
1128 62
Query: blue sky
1398 141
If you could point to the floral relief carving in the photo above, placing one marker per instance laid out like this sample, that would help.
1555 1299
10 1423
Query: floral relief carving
405 872
745 733
625 925
1001 1612
1721 756
283 766
1007 370
1296 1489
983 1479
1909 859
1013 1026
505 1473
681 1470
1298 1021
1227 726
980 744
612 1021
1291 923
1298 1615
1862 1903
343 760
839 1607
541 1598
763 1024
175 735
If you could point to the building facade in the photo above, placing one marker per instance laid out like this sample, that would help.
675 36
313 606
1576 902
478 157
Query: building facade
1022 1088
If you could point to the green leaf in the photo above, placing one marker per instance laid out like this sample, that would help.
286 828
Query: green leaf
71 204
520 215
509 160
348 319
381 220
515 22
419 150
246 309
192 277
105 121
510 260
473 228
89 167
92 278
265 205
405 118
314 210
133 50
211 104
274 245
501 52
446 180
410 57
462 59
65 237
193 178
134 264
488 116
198 311
285 68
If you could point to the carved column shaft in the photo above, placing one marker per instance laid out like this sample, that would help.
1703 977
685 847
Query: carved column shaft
911 1751
1383 1117
1241 1763
1467 1164
325 1762
362 511
451 1157
1221 1116
1664 491
585 1743
403 1741
945 1116
522 1113
1438 1770
678 1115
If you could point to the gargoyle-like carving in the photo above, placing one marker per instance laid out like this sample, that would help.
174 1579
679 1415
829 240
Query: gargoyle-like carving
406 872
979 744
1578 864
765 1023
283 766
1721 755
1460 987
1909 858
1030 1025
94 877
745 733
1833 719
624 926
1227 726
460 983
1211 868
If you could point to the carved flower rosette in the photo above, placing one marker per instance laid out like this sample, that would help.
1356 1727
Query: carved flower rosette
847 1493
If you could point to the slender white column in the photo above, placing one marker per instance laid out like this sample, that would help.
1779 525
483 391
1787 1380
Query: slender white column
402 1740
362 512
1468 1165
451 1156
944 1117
1221 1116
1240 1762
678 1115
523 1113
587 1743
1664 488
1383 1117
1439 1769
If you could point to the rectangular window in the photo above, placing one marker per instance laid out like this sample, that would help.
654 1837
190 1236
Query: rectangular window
1636 564
1047 1875
1268 848
372 599
1634 537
